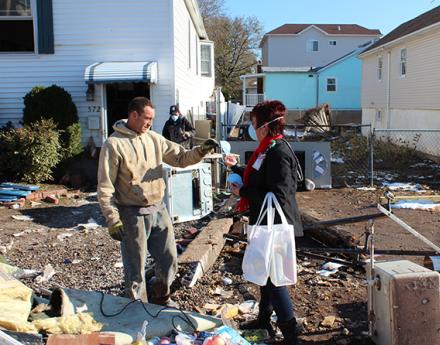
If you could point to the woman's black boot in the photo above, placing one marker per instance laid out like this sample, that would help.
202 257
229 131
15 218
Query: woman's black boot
262 322
288 329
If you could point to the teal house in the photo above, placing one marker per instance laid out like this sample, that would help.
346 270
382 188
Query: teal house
300 88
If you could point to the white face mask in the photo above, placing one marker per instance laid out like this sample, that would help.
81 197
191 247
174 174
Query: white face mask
174 117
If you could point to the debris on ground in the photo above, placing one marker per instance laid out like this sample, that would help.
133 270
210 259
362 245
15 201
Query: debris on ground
90 262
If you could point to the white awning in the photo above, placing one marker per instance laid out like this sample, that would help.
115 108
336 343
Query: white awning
121 72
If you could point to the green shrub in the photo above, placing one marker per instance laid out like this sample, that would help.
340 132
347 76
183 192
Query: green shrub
72 137
29 154
55 103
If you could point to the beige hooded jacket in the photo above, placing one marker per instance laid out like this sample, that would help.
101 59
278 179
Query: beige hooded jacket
130 169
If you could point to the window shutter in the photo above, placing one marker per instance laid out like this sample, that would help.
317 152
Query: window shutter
45 27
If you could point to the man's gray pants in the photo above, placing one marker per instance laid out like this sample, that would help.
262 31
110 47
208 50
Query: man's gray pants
148 229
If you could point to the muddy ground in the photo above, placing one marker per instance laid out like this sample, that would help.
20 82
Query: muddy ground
89 259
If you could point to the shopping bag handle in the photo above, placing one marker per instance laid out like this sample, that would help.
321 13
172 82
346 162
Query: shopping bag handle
279 209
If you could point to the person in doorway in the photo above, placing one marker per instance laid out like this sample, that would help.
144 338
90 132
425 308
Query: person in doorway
178 128
271 168
130 192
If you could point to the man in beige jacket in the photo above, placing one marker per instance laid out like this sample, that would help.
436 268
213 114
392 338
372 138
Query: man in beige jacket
131 190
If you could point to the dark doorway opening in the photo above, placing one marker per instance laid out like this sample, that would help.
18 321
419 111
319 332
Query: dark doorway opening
118 97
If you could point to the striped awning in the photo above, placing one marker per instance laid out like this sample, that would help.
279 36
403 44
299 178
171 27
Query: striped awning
121 72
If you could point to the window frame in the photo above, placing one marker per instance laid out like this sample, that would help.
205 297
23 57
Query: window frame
208 46
189 44
380 67
310 46
34 19
327 84
330 43
403 63
378 115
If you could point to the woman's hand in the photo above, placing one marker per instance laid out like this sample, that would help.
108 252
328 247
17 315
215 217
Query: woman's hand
235 189
230 160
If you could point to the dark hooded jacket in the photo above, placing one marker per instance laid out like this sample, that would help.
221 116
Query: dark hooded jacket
180 131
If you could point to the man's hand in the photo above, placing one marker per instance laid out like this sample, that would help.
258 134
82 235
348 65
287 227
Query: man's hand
230 161
116 231
208 146
187 135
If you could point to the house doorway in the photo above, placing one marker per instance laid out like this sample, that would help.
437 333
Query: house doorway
118 97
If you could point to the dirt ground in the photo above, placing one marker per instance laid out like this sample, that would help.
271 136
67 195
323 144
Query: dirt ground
89 259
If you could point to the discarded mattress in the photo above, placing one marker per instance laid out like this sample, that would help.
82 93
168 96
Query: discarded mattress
129 321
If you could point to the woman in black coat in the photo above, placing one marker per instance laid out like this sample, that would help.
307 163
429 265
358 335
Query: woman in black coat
272 168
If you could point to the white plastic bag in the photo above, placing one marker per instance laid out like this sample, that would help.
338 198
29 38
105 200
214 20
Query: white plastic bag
256 260
283 263
271 248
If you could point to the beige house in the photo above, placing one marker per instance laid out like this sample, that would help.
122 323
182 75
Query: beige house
401 76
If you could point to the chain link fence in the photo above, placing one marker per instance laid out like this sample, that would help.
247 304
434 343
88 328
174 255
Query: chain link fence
407 155
351 149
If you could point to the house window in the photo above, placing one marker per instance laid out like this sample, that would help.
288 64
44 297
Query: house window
312 46
16 26
378 115
403 62
332 43
379 67
331 84
206 60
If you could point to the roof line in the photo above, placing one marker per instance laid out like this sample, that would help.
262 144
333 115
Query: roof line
194 12
397 40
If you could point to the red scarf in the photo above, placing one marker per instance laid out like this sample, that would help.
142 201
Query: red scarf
243 204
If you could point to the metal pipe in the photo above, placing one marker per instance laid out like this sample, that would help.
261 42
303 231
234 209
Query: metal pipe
408 228
389 91
347 220
371 157
371 284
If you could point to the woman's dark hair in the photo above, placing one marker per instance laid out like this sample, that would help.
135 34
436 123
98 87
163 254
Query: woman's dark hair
267 111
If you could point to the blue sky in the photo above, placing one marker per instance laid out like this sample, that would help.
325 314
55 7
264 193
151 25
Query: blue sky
384 15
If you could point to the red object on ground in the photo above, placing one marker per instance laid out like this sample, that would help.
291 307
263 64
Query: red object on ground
84 339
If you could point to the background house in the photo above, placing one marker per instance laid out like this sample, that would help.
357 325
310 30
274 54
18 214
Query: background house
293 54
401 76
312 45
104 54
300 88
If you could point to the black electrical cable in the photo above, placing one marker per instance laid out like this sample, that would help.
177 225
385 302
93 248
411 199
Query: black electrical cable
185 319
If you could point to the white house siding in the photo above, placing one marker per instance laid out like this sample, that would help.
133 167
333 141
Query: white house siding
192 89
420 88
291 50
414 99
86 32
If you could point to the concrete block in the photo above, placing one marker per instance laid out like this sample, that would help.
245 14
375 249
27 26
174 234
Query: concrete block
204 250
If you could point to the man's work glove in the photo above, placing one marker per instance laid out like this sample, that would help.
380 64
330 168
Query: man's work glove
116 231
187 135
208 146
